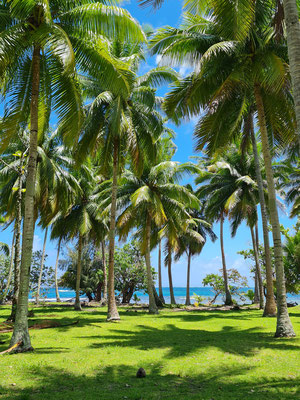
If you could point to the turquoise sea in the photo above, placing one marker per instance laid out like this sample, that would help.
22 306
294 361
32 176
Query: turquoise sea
205 292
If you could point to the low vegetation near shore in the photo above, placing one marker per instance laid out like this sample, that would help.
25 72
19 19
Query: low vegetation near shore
213 354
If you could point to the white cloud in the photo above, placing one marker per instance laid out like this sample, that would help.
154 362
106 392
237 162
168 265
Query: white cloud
37 243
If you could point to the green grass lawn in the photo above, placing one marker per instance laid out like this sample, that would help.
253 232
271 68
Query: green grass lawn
186 355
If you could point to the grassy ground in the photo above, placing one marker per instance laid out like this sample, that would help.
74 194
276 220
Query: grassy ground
218 355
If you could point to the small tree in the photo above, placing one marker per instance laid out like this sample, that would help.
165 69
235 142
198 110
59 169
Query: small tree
216 282
130 271
47 277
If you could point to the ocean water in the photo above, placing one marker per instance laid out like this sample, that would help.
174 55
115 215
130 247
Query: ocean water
179 292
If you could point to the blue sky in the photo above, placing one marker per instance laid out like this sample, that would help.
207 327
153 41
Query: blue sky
210 259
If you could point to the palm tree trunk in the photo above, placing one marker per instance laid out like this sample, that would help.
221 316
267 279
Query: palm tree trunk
172 297
77 305
17 260
258 271
37 299
112 312
270 306
160 291
256 291
104 300
284 326
158 301
187 299
20 334
11 264
291 15
228 298
56 268
152 304
259 276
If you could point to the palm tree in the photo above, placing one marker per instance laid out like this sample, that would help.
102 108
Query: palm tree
239 171
55 271
122 124
37 64
263 76
151 201
12 178
193 240
215 193
81 221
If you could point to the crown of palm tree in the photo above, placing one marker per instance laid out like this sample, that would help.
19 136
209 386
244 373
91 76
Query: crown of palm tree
69 33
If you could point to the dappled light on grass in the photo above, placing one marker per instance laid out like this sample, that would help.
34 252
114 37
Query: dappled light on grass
186 355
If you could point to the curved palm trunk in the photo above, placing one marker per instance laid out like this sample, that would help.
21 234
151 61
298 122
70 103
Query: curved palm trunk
228 298
11 264
270 306
172 297
56 268
160 291
77 305
112 312
17 260
20 335
158 301
150 284
104 300
37 299
188 299
260 279
291 15
256 291
258 271
284 326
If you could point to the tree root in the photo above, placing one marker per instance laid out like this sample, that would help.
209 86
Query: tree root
12 348
43 325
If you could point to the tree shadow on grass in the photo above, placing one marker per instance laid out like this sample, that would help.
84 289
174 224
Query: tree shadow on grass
180 341
119 382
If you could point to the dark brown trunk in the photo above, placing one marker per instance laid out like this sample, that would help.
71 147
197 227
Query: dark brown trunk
158 301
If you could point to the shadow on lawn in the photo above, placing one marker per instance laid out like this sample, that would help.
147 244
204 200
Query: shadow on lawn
181 342
119 382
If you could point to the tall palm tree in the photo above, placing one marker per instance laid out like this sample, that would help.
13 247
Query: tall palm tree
12 178
37 66
151 201
123 125
215 194
240 171
81 221
192 241
256 64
